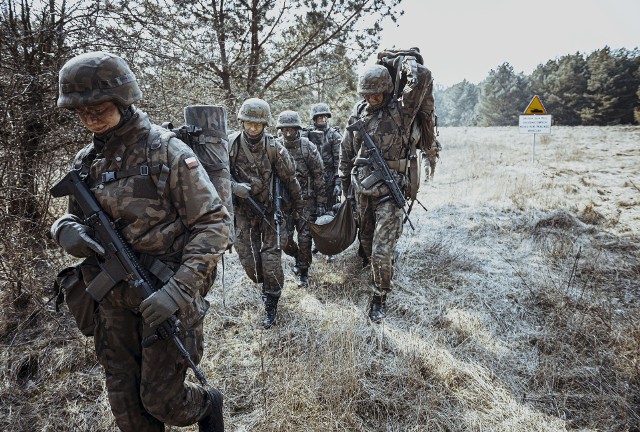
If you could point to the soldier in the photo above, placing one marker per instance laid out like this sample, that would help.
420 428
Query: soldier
172 217
388 122
255 158
431 155
310 174
327 139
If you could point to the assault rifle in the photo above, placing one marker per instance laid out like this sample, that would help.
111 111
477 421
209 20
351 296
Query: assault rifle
119 264
380 169
277 202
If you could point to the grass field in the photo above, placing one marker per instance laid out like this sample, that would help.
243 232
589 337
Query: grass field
514 309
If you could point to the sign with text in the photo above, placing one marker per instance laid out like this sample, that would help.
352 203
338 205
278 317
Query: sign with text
535 124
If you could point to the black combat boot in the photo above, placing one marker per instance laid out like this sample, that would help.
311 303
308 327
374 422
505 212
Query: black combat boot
366 261
213 421
303 274
376 308
270 309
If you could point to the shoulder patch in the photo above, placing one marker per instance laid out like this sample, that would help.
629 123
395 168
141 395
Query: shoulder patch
191 162
282 151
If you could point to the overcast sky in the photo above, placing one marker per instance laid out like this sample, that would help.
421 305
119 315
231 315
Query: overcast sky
467 38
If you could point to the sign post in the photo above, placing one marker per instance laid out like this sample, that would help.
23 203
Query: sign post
535 120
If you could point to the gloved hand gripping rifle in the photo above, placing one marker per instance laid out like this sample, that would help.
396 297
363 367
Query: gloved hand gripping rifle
380 169
119 264
256 208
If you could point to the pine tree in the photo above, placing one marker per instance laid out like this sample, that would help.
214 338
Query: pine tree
611 87
504 94
561 85
459 105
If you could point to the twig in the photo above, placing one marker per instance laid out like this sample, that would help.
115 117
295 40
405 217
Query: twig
573 269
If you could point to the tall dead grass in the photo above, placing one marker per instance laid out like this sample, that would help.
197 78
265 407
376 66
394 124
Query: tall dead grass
514 309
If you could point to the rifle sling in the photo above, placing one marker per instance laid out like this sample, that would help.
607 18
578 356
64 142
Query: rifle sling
102 284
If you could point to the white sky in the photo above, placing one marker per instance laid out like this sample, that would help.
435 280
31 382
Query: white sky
467 38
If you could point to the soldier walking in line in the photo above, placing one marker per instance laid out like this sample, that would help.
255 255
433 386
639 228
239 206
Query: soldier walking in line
310 174
172 217
327 139
387 119
255 159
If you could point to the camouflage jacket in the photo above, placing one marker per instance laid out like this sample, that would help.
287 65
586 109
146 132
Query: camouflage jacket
256 164
309 170
184 219
327 140
389 126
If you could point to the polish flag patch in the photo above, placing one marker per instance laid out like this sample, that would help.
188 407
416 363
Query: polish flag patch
191 162
282 151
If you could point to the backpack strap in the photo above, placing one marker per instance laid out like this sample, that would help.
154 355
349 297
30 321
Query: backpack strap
158 156
270 144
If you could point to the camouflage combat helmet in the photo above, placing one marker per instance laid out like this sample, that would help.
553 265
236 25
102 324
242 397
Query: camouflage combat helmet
320 109
96 77
255 110
374 79
289 119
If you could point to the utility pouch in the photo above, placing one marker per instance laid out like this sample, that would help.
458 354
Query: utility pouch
70 287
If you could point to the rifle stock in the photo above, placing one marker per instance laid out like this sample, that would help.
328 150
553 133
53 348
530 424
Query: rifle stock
380 171
119 263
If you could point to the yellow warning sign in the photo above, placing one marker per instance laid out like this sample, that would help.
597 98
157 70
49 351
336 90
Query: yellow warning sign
535 107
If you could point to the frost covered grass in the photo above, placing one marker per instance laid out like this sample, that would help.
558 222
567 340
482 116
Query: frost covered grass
514 309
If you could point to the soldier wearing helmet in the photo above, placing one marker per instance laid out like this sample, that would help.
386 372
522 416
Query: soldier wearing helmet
387 119
152 184
432 155
255 158
327 139
310 174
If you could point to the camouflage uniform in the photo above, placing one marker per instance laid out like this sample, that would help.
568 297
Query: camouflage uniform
431 155
310 174
389 127
256 164
174 215
327 139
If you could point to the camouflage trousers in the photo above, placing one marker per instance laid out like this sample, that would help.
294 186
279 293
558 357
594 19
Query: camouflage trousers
380 229
146 385
301 250
256 246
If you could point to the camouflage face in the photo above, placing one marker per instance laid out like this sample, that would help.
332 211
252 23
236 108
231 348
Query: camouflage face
320 109
255 110
289 119
96 77
374 79
253 129
99 118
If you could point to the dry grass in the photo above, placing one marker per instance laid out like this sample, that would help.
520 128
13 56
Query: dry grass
514 309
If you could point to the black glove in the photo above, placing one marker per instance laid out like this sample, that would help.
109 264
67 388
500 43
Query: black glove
74 238
160 305
320 210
